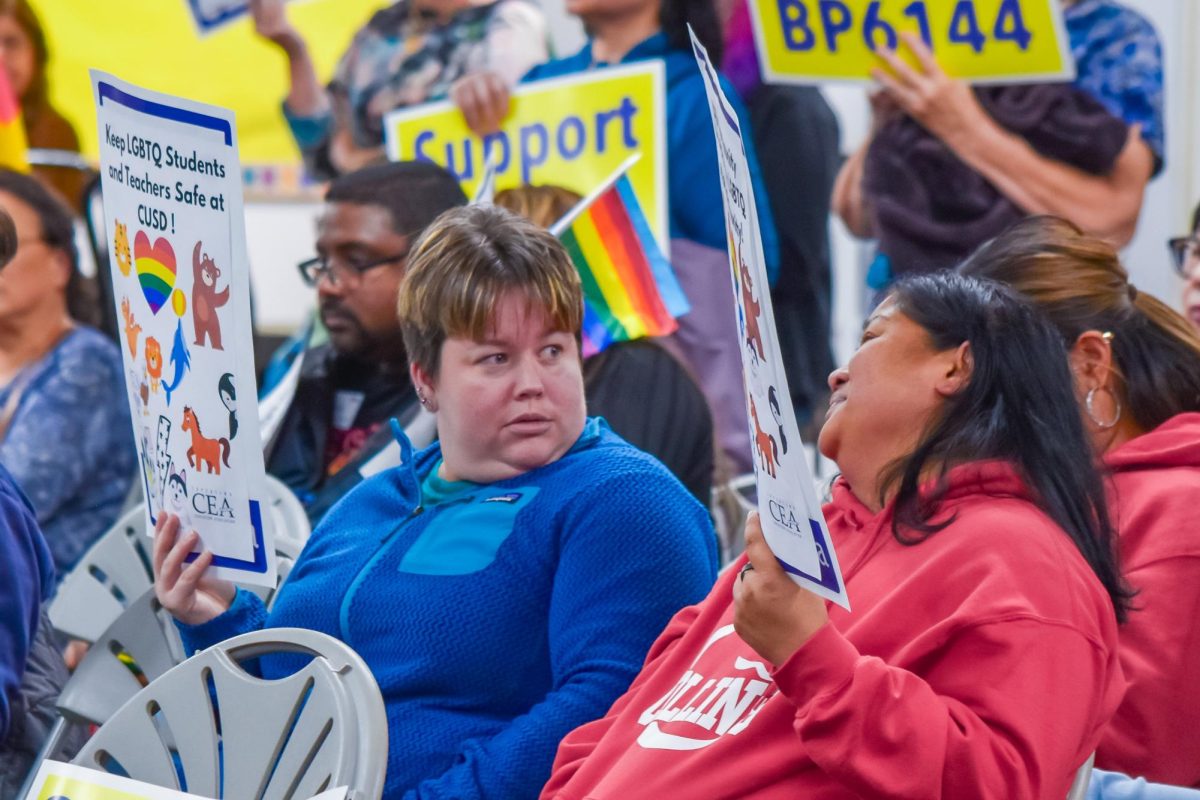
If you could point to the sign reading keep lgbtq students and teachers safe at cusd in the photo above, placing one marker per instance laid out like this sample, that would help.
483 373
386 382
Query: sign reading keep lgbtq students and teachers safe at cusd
792 523
982 41
172 189
58 781
572 132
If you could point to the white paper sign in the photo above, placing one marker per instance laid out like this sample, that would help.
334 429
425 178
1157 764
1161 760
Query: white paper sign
173 215
58 781
791 516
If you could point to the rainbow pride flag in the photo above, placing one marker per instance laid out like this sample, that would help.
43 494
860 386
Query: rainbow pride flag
13 145
629 288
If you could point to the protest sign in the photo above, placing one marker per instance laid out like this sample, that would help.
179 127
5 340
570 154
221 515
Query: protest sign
209 15
982 41
571 132
173 215
792 523
58 781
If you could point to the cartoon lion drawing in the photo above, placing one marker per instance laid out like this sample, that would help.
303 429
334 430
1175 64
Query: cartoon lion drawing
206 299
121 248
154 363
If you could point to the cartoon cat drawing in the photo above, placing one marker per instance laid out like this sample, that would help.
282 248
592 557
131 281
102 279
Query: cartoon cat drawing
121 248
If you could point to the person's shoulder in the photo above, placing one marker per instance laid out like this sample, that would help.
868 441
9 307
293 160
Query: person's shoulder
1109 23
88 356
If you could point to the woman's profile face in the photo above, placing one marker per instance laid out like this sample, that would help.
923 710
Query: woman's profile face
883 397
16 53
511 403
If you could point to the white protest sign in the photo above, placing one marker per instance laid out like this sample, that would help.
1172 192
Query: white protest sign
58 781
173 215
791 516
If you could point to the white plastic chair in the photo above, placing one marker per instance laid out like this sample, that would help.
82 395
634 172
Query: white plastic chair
141 645
113 573
291 521
1082 778
210 728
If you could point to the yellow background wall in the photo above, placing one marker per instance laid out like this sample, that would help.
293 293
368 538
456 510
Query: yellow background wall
153 43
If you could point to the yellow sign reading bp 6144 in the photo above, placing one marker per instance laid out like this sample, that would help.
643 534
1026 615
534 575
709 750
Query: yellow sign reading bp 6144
572 132
983 41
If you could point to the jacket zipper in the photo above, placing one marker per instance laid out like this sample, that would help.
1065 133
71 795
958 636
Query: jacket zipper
344 611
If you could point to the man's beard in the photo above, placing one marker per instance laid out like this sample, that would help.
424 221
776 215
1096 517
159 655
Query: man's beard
351 339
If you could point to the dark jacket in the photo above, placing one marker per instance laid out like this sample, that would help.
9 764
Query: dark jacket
298 457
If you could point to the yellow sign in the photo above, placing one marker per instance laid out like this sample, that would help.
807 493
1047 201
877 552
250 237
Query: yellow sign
58 781
983 41
572 132
155 45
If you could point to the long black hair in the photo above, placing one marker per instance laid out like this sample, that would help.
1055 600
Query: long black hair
1018 406
675 15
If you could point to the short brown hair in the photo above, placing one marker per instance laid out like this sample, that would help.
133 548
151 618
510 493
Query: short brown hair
544 204
465 262
1078 282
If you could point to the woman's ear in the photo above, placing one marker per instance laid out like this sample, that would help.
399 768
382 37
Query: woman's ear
957 366
1091 360
423 382
60 274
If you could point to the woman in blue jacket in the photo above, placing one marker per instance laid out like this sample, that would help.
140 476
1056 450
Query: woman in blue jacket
505 584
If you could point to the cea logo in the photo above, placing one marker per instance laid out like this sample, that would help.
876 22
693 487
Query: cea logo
215 506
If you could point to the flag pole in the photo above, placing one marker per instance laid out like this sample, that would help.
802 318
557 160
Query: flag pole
568 218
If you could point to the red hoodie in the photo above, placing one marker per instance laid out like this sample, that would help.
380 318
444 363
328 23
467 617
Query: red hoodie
1155 497
979 663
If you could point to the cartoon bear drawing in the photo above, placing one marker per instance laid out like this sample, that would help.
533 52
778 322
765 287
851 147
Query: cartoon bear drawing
206 299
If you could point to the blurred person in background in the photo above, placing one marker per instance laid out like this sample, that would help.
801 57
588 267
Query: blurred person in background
65 431
1185 254
1084 150
1136 366
408 53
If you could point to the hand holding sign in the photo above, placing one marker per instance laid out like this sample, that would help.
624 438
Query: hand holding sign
771 612
484 99
191 596
945 106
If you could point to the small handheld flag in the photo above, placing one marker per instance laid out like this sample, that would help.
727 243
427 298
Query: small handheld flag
629 287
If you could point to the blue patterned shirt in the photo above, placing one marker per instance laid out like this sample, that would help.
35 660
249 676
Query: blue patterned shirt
1119 61
70 445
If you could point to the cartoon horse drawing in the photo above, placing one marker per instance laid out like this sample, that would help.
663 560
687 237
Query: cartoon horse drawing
204 452
753 311
764 443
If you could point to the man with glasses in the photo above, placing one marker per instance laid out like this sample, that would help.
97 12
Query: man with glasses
352 385
1186 253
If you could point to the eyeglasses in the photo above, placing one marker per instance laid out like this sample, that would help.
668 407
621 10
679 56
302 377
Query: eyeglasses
341 272
1185 250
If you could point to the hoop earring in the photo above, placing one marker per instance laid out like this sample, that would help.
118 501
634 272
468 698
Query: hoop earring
1092 414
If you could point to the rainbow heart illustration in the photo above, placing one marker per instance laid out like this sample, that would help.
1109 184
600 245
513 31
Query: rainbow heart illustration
155 266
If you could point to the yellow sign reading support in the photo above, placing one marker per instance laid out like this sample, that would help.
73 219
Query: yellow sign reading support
983 41
571 132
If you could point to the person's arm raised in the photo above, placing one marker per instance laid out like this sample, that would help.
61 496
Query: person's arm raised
1104 205
306 97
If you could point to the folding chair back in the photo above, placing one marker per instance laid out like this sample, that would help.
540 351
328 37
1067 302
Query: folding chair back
210 728
113 573
1082 778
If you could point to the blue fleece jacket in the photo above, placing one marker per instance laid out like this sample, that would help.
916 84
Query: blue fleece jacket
26 578
693 174
501 618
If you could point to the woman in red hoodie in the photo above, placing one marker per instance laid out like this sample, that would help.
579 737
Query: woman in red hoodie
980 657
1136 364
